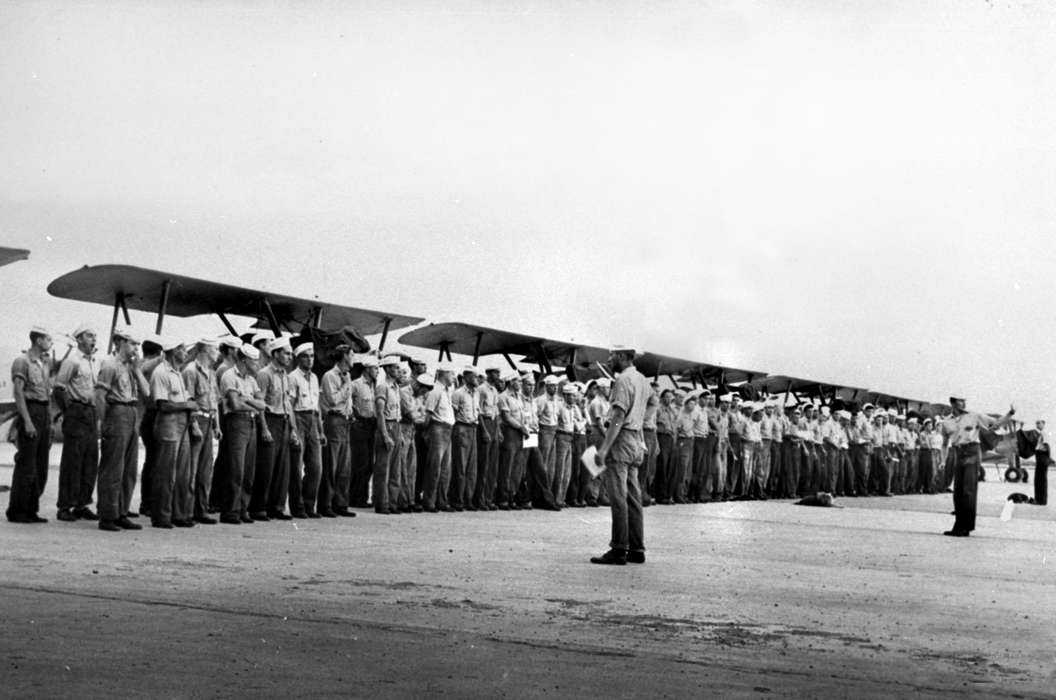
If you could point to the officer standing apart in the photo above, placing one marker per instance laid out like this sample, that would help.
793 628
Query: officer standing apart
620 452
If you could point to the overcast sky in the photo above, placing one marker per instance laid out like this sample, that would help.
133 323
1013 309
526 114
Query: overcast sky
854 192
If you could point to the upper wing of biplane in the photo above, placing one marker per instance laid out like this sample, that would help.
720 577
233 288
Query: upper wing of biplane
10 255
127 287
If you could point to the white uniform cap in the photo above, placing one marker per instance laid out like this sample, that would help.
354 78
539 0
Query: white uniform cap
756 407
231 341
389 361
82 328
912 420
170 343
206 340
481 372
551 380
569 388
866 407
621 348
726 398
528 377
892 413
425 380
512 376
492 367
44 331
825 410
368 361
846 415
119 332
680 393
303 348
604 382
469 369
250 351
448 367
900 417
279 344
262 335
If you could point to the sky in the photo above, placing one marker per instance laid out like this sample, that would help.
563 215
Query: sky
859 193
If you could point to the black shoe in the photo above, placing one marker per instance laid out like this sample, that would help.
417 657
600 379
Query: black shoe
279 515
245 518
260 515
956 533
85 513
230 520
162 525
125 524
504 506
449 509
142 511
635 557
66 515
617 557
301 514
183 523
36 519
328 514
492 506
109 526
205 520
431 509
459 509
345 513
313 515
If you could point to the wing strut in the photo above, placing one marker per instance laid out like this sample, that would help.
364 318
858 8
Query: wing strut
476 347
384 334
165 287
271 318
513 365
230 328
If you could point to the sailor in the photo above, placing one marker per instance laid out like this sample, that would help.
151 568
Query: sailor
75 395
579 446
762 466
861 449
647 470
755 470
597 412
488 440
31 383
792 455
829 428
306 455
152 357
808 476
910 456
700 446
441 420
466 404
271 481
722 449
118 387
230 346
511 418
963 429
172 490
734 468
845 467
412 418
243 405
1042 460
363 431
335 406
385 484
778 428
535 488
687 417
667 457
546 406
930 455
620 453
199 379
261 341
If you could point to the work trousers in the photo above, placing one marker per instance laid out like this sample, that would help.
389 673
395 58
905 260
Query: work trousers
845 468
910 479
79 465
647 469
676 485
202 464
361 451
408 467
271 482
881 471
667 459
579 446
438 466
512 440
776 469
791 458
385 488
171 494
625 502
536 484
487 462
241 452
760 477
563 468
861 458
337 467
548 450
722 457
306 464
150 457
1041 477
31 462
118 461
965 486
746 468
463 465
734 466
218 486
697 474
928 459
808 471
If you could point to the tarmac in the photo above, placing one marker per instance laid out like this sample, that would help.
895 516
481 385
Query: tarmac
737 599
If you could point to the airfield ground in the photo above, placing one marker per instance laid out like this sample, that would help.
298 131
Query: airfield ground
736 600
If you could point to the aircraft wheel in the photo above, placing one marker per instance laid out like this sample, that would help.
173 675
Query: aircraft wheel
1012 475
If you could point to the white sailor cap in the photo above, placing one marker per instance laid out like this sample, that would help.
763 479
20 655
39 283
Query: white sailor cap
83 328
250 351
170 343
680 393
448 367
551 380
569 388
119 332
900 417
42 330
892 413
389 361
282 343
262 335
368 361
845 415
868 407
231 341
912 419
425 379
726 398
303 348
469 369
480 372
512 376
208 340
825 411
927 420
604 382
613 349
492 367
756 407
528 377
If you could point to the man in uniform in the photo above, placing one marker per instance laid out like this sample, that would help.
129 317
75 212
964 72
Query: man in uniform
861 449
565 430
243 404
199 378
172 495
511 418
620 452
75 395
687 418
31 383
230 347
385 483
597 412
363 431
306 456
722 449
118 387
546 407
441 420
466 405
666 437
152 357
962 429
412 416
700 447
271 482
489 440
335 404
647 469
755 470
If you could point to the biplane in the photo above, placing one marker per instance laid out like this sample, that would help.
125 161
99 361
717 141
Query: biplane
125 287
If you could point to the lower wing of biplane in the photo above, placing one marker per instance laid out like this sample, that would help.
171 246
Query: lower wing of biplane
10 255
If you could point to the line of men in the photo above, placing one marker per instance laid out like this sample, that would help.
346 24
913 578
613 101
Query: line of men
376 432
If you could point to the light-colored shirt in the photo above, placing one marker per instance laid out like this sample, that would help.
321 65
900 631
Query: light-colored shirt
546 409
631 392
166 384
651 408
863 430
665 419
753 431
201 385
362 394
117 379
304 390
722 428
964 429
438 405
388 390
241 385
335 391
566 418
766 427
35 373
466 405
579 420
509 405
77 376
275 384
598 411
531 420
700 422
488 400
686 418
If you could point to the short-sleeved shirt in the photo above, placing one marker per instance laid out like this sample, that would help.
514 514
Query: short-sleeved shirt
546 409
362 394
410 407
700 422
778 427
35 374
201 386
509 405
438 405
736 422
566 419
528 414
488 400
964 429
815 431
665 420
863 430
465 404
233 381
335 392
388 390
651 409
77 376
631 392
275 383
909 439
892 435
598 412
304 390
766 427
753 431
166 384
932 440
579 420
830 432
722 426
117 378
685 421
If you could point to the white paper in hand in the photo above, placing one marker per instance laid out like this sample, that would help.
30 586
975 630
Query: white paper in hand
588 461
1006 512
532 440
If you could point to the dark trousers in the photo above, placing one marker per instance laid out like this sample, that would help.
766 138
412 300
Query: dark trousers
361 450
31 463
118 461
665 465
79 466
860 458
791 458
926 459
700 461
438 465
170 485
845 483
776 469
487 462
241 454
150 457
272 478
536 485
219 481
548 449
682 469
1041 477
579 446
384 468
734 465
463 465
337 469
202 464
647 469
965 486
306 465
512 440
625 502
